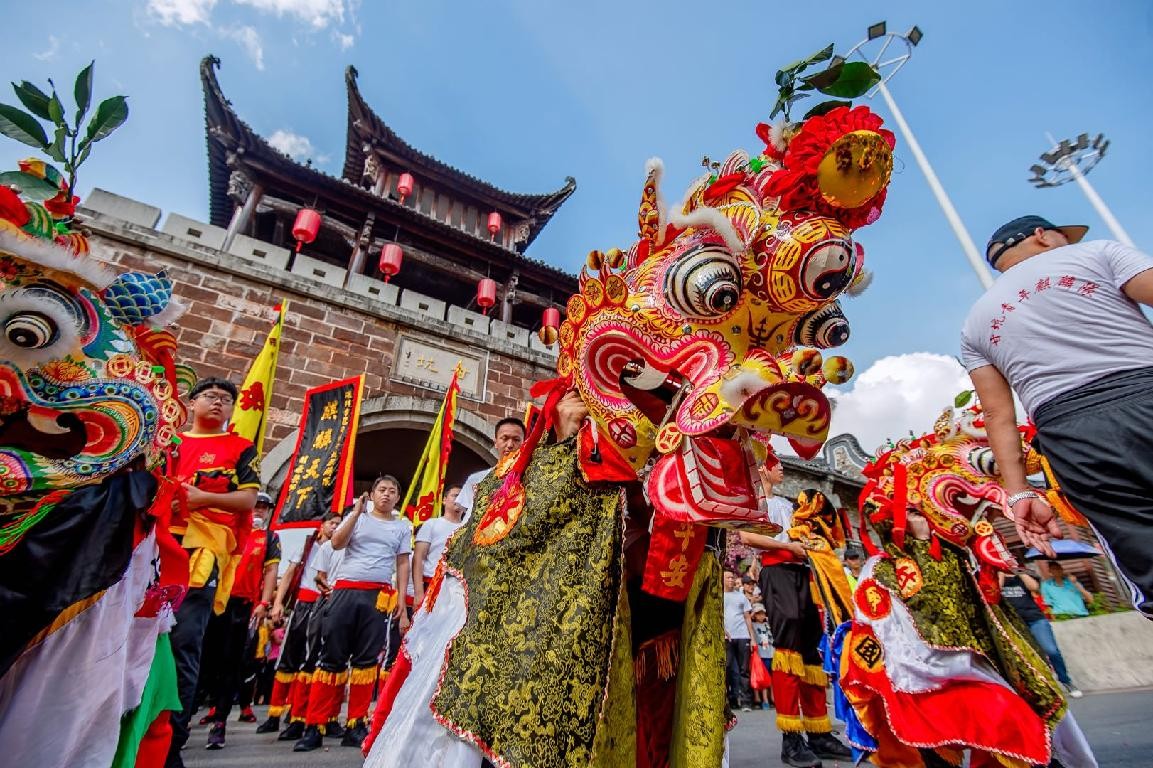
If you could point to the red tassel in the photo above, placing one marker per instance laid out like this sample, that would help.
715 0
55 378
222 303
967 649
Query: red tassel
900 504
935 548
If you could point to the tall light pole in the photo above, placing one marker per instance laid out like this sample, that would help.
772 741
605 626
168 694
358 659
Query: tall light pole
888 63
1071 160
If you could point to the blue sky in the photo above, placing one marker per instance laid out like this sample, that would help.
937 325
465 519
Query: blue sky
525 92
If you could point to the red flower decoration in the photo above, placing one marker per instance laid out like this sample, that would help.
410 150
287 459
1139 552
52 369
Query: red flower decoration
12 207
796 183
62 206
723 186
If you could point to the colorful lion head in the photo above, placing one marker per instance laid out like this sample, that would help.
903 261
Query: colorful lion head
700 341
87 379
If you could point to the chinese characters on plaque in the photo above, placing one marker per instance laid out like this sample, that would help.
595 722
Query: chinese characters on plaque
430 366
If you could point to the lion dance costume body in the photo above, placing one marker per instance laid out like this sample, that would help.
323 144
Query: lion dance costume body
935 664
88 572
576 618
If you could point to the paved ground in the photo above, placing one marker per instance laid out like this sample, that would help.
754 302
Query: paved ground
1119 726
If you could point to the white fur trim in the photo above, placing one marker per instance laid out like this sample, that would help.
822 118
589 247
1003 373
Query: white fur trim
53 256
169 315
777 135
715 220
860 283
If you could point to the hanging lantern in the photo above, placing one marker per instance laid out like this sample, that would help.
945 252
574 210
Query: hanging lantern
550 323
486 293
494 223
306 227
391 256
404 186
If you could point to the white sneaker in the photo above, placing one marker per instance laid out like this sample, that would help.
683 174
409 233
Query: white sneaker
1073 691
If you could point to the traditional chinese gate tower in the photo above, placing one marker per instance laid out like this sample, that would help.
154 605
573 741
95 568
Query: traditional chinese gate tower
406 334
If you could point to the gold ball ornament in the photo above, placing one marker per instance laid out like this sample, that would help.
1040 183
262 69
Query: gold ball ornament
855 169
838 369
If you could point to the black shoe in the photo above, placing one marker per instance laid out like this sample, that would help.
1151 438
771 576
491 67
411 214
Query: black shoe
827 747
293 731
247 716
795 752
208 718
333 729
215 736
355 735
309 741
271 725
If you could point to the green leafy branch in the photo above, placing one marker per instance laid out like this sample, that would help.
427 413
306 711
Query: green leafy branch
840 79
69 144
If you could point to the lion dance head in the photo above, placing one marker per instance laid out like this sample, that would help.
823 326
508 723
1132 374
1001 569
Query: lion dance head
703 338
87 376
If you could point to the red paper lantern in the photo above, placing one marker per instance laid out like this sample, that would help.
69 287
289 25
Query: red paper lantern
494 223
404 186
306 227
550 323
391 256
486 293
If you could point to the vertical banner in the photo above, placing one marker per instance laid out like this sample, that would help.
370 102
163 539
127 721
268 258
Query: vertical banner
320 472
425 493
251 416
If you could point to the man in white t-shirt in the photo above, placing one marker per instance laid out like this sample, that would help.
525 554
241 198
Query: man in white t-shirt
431 539
507 437
1063 326
738 637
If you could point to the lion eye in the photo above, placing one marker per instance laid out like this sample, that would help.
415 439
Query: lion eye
823 329
30 330
982 460
827 268
704 283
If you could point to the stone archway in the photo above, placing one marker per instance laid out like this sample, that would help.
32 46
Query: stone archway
393 431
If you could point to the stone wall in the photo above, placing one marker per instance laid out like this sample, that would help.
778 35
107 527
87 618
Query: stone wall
330 332
1107 652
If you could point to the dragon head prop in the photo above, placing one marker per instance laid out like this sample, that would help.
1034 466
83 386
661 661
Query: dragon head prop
88 383
702 339
949 477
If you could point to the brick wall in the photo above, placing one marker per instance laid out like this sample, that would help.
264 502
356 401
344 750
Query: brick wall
229 316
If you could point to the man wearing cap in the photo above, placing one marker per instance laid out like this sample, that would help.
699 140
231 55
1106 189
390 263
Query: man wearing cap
1062 326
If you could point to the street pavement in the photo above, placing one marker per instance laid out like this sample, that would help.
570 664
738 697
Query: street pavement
1119 725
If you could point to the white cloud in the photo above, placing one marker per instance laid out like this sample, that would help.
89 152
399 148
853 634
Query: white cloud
50 52
897 395
345 41
178 12
292 144
249 40
318 14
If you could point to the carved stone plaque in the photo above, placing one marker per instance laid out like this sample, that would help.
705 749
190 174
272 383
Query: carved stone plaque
425 364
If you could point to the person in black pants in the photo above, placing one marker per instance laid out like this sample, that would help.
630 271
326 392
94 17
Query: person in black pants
738 641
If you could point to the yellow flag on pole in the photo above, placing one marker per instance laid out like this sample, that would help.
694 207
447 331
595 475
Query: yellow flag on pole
251 415
423 499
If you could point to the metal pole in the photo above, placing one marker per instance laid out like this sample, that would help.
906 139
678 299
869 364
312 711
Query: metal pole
967 244
1102 210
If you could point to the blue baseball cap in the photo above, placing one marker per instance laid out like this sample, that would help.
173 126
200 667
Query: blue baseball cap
1008 235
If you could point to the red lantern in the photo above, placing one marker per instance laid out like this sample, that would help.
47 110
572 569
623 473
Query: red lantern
306 227
494 223
404 186
486 293
391 256
550 323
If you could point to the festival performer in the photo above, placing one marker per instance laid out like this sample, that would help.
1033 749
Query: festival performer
89 407
587 574
431 541
507 437
253 588
354 622
290 684
936 663
211 518
1089 392
799 679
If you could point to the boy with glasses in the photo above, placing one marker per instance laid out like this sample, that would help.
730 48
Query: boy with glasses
211 518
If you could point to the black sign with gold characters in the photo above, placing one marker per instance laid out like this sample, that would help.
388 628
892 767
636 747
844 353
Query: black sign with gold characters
319 477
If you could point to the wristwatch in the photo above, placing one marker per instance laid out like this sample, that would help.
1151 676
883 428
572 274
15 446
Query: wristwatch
1020 495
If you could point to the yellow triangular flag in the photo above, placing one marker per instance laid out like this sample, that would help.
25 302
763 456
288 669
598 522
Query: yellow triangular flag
423 500
251 415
